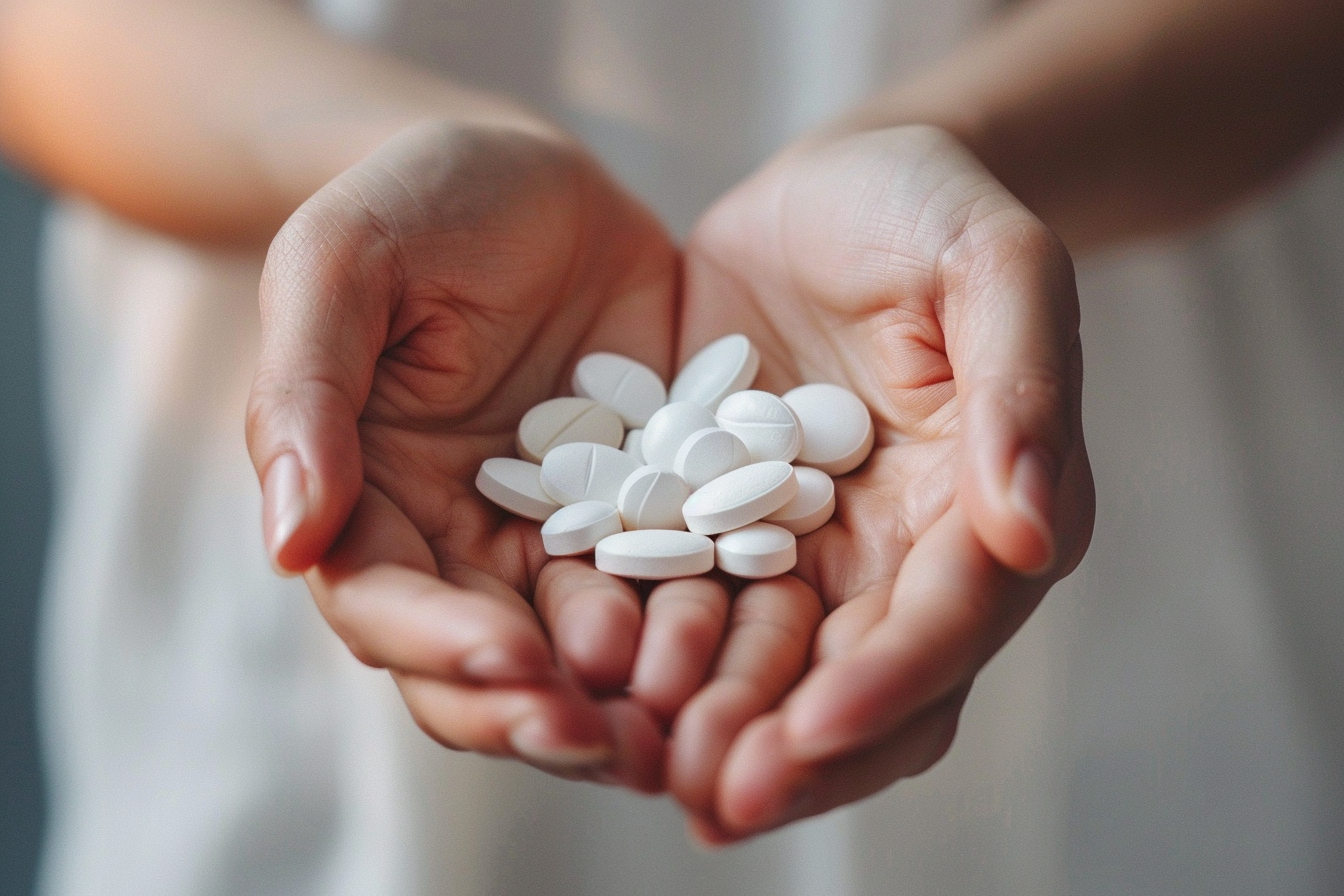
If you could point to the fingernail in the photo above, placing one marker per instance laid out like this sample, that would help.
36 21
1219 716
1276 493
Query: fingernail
495 664
534 741
1031 492
284 502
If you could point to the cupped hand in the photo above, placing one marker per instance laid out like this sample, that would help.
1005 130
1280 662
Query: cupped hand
894 264
413 310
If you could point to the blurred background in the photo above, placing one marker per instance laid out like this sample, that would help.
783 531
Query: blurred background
24 503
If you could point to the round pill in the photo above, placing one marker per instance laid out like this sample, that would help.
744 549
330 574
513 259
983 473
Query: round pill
725 366
652 498
758 551
763 422
631 446
668 428
837 428
811 507
655 554
622 384
585 471
578 528
743 496
563 420
707 454
515 485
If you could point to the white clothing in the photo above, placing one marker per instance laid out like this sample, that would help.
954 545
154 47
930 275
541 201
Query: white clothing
1168 722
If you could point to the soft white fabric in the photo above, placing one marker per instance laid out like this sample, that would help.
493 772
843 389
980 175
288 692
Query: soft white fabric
1169 722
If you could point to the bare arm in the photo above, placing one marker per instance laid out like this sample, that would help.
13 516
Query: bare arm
1114 119
207 120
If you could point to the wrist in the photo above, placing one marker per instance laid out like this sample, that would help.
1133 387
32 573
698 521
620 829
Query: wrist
301 150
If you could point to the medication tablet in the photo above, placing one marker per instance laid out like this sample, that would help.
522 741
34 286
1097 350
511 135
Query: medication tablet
837 428
811 507
758 551
585 471
515 485
651 499
707 454
743 496
563 420
578 528
764 423
655 554
719 369
632 444
622 384
668 428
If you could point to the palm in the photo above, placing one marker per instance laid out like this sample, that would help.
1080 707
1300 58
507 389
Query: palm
454 279
487 326
841 263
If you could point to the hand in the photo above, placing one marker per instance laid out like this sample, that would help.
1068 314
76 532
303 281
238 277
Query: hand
894 264
413 310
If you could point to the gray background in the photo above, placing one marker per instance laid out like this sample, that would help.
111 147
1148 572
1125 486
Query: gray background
24 509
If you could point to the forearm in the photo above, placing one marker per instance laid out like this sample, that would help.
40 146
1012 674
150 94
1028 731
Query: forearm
1112 119
207 120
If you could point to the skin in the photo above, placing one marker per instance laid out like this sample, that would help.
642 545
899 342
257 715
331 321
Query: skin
412 311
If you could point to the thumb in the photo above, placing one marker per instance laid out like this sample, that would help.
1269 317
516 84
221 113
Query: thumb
1018 367
324 312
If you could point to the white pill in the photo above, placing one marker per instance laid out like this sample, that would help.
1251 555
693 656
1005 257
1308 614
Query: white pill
655 554
707 454
837 428
585 471
743 496
563 420
811 507
578 528
515 485
764 423
631 446
668 428
622 384
652 498
719 369
758 551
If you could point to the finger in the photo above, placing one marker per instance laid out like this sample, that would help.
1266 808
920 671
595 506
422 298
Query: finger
846 625
952 607
379 592
684 622
1012 324
325 295
639 748
594 621
769 640
553 727
763 787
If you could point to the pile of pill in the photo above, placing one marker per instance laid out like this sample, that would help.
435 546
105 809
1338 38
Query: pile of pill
643 475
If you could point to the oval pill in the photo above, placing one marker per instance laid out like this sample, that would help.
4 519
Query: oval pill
725 366
757 551
837 428
652 499
707 454
764 423
811 507
655 554
515 485
669 428
560 421
631 389
631 445
578 528
741 497
585 471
